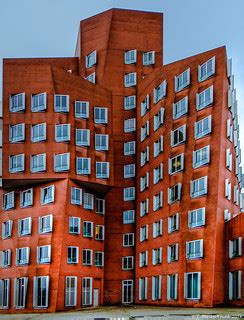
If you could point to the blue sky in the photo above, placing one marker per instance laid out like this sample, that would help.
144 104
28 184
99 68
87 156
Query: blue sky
48 28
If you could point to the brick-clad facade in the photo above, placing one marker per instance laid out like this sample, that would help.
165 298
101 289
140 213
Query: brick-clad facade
119 174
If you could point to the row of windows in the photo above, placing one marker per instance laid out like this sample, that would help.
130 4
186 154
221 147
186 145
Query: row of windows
43 256
47 194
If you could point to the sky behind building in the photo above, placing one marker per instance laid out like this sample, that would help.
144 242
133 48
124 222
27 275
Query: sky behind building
48 28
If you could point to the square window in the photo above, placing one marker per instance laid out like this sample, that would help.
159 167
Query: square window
39 132
100 115
182 81
61 103
61 162
39 102
83 166
130 79
82 137
17 163
62 132
17 102
130 56
148 58
17 133
82 109
206 70
180 108
38 163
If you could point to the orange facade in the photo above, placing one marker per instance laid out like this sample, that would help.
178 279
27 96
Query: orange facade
119 174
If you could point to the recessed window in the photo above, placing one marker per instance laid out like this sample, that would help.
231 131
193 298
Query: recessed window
24 227
235 248
235 284
180 108
17 133
100 206
158 119
204 98
129 194
76 196
74 225
128 239
41 292
158 201
143 259
130 56
130 125
160 92
87 229
129 102
156 287
157 228
61 162
194 249
130 79
88 201
158 146
178 136
129 171
196 218
144 182
174 193
83 166
62 132
5 258
46 224
158 173
128 216
236 195
91 59
128 263
87 257
156 256
182 81
173 223
173 252
8 200
144 207
61 103
228 189
17 163
44 254
99 232
145 131
20 291
102 170
39 102
148 58
91 77
199 187
38 163
82 137
47 195
176 164
142 288
38 132
144 156
192 285
99 259
229 130
22 256
206 70
201 157
82 109
101 142
26 198
86 291
100 115
145 105
129 148
228 159
4 293
143 233
17 102
172 286
70 291
7 229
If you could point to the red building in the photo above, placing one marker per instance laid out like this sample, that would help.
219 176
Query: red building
119 174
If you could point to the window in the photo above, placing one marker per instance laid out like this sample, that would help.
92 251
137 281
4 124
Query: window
201 157
129 194
24 227
38 102
41 292
38 163
4 293
206 70
26 198
76 196
61 103
5 258
235 248
158 146
99 259
82 137
174 193
17 132
83 166
143 233
194 249
193 285
145 105
7 229
128 216
148 58
72 255
235 284
46 224
199 187
173 252
229 130
100 115
128 239
178 136
129 171
101 142
62 132
82 109
202 127
86 291
130 56
22 256
61 162
44 254
228 159
99 232
228 189
47 195
91 77
102 170
74 225
144 156
20 290
176 164
130 79
182 81
156 287
180 108
158 173
38 132
144 207
87 229
204 98
17 102
158 201
160 92
87 257
143 259
157 256
127 263
91 59
8 200
196 218
129 148
158 119
173 223
142 288
144 182
145 131
130 125
70 291
17 163
88 201
157 228
172 286
129 102
100 206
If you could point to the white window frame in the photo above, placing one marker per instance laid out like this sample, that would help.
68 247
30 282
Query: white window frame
197 157
204 98
172 287
191 297
70 291
91 59
128 216
158 119
128 239
99 142
49 199
17 102
88 201
160 91
130 56
44 284
191 246
157 228
128 263
180 140
42 225
62 137
74 223
173 191
130 125
176 164
130 102
64 159
196 218
17 163
203 72
19 253
79 112
199 193
173 223
131 194
17 133
73 258
182 80
102 116
24 226
127 148
180 108
42 132
87 257
43 259
158 146
41 160
198 134
102 170
20 292
237 294
156 287
24 203
82 137
129 171
8 202
7 227
84 170
76 196
63 108
40 105
158 173
148 58
130 79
